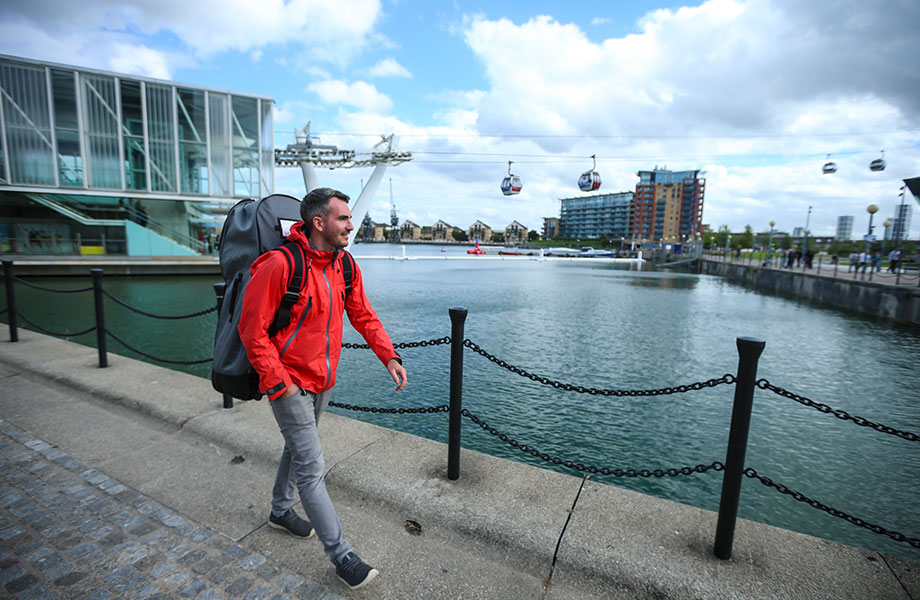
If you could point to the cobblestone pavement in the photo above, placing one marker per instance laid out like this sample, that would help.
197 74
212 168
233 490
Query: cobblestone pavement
69 531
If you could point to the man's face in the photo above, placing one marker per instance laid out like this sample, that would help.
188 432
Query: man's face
334 229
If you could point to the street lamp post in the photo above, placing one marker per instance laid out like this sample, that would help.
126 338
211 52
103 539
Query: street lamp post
887 224
902 233
805 239
804 248
770 246
871 209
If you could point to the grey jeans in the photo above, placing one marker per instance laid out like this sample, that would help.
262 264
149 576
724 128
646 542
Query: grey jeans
302 468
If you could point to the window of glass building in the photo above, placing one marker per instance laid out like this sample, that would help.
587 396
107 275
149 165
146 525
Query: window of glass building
132 118
28 124
219 123
161 135
193 149
245 125
100 131
66 128
268 148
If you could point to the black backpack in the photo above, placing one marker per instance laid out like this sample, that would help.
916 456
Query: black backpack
252 228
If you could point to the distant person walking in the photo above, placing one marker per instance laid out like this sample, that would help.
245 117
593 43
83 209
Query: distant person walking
854 262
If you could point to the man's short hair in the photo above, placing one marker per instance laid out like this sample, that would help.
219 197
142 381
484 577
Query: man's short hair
316 204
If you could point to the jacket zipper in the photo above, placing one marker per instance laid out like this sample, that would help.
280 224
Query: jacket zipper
328 323
296 329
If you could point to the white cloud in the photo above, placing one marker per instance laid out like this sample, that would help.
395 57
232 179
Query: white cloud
601 21
360 94
328 30
389 67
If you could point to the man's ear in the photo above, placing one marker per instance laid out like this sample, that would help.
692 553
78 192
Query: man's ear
319 224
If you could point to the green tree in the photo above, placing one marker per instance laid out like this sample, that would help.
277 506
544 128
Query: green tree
786 243
460 235
498 238
533 235
721 236
746 239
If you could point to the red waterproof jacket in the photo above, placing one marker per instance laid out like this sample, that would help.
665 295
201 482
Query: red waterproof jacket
306 352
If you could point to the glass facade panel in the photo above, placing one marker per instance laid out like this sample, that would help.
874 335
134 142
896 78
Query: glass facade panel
161 135
100 131
219 123
246 137
66 128
267 148
132 119
245 173
193 152
28 124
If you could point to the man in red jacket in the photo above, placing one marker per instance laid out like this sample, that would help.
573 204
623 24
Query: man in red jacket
297 366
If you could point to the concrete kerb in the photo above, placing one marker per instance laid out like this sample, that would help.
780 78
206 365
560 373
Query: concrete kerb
617 539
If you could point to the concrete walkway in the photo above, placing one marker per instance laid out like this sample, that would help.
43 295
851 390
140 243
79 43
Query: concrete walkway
131 482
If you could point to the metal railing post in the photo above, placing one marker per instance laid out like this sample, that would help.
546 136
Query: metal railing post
219 289
100 318
749 351
10 300
457 320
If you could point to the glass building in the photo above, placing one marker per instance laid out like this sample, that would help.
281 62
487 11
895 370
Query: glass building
600 216
844 228
93 162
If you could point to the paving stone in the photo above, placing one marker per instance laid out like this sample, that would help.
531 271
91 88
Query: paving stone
21 583
250 562
259 593
209 594
239 587
221 575
193 589
70 578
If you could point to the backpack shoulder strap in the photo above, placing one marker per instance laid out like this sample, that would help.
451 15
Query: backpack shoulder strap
348 270
294 256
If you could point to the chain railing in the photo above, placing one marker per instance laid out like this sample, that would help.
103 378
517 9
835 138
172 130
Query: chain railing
898 537
839 413
725 379
745 383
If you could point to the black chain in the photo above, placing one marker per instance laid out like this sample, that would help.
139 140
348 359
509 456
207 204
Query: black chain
156 358
147 314
396 411
679 389
422 344
840 414
56 333
672 472
898 537
47 289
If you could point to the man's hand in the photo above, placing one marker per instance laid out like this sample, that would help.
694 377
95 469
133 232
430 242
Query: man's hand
398 373
290 391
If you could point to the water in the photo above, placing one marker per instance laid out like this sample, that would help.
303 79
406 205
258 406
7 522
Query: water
598 325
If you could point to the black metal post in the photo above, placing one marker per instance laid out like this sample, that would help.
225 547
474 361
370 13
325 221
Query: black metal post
10 300
219 289
457 320
100 318
749 351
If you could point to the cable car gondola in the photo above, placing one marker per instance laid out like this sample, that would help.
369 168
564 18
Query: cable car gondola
590 180
829 167
512 183
878 164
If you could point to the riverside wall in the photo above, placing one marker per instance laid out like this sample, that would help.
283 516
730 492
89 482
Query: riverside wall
898 303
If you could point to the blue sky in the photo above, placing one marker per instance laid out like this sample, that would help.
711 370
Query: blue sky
754 92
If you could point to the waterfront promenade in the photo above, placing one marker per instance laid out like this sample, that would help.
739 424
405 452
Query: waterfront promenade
131 482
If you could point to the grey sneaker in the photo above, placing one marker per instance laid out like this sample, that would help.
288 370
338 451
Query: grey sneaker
291 523
354 572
